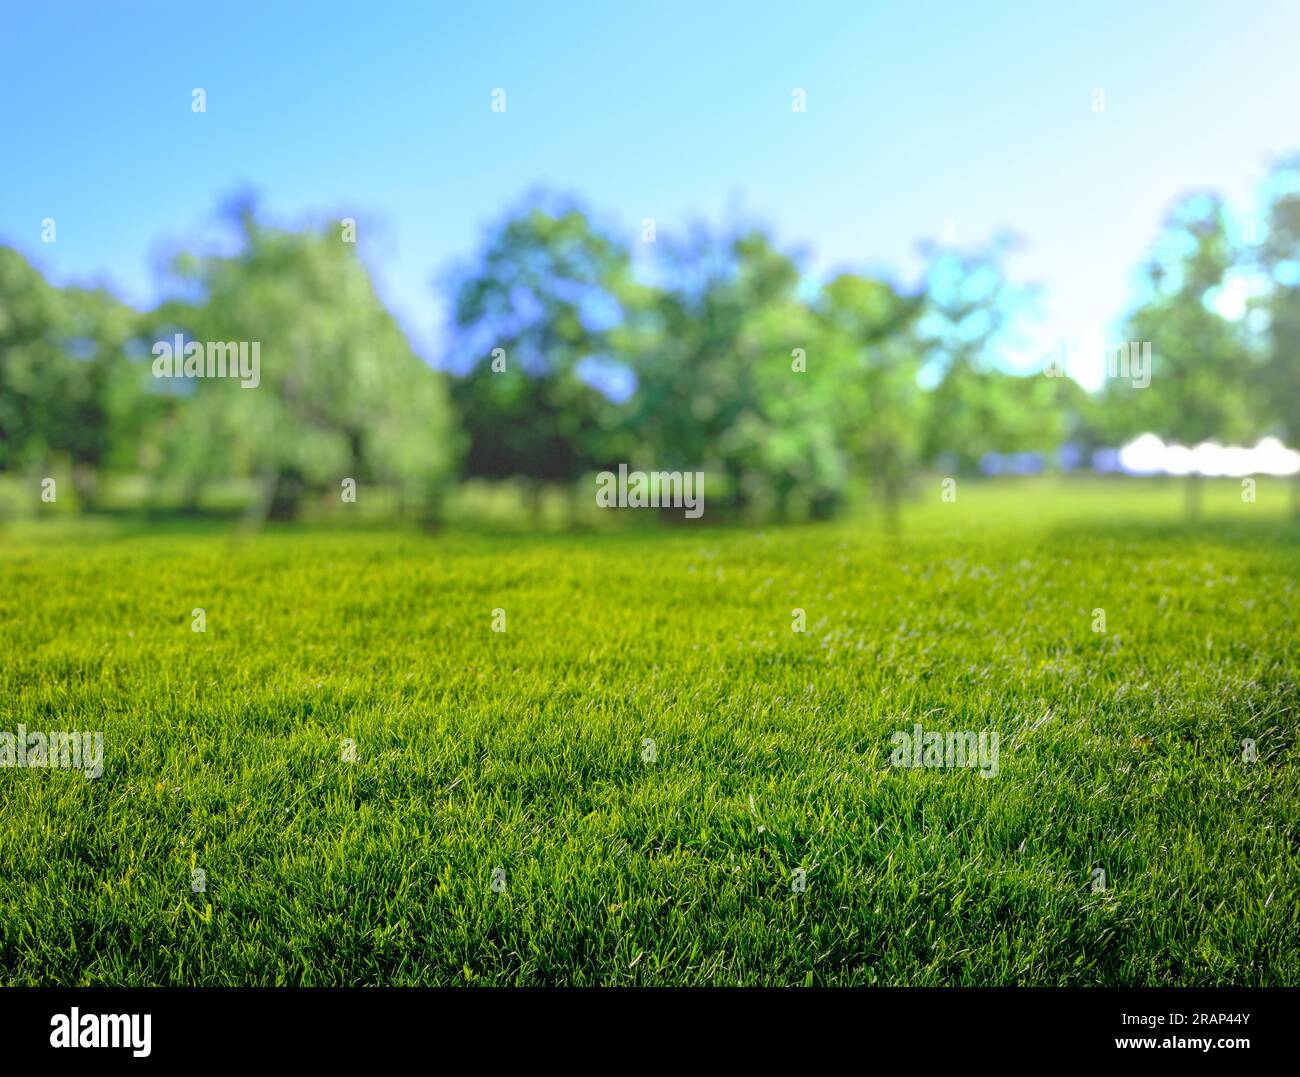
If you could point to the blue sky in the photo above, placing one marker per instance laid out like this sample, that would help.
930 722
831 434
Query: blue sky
916 113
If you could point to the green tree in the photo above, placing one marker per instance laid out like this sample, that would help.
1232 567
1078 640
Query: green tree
341 393
969 313
870 336
731 379
974 412
1279 258
69 396
541 299
1201 377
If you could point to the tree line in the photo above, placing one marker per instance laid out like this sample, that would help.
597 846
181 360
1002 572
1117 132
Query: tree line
567 355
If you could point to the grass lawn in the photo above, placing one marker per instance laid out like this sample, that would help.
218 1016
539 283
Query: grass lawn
526 750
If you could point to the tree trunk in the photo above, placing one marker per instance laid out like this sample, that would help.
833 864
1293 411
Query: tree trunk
534 497
85 480
287 495
281 493
1195 495
576 492
892 503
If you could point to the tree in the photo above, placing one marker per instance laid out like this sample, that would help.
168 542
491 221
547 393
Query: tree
341 394
68 393
1279 258
880 407
541 301
730 377
975 412
975 408
1201 379
35 379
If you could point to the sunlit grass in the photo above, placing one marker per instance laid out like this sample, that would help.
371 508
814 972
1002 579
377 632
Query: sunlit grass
1120 751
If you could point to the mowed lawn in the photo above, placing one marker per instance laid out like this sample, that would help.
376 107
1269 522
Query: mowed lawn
527 750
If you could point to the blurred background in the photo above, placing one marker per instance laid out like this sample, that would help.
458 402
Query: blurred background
824 257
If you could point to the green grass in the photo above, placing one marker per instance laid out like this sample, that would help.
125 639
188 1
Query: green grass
523 750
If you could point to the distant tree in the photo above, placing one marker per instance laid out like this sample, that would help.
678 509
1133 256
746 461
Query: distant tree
1085 423
731 378
1279 258
1201 375
975 412
341 393
68 393
880 408
540 300
967 318
34 378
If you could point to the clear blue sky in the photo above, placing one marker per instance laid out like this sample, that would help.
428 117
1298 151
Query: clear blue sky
916 112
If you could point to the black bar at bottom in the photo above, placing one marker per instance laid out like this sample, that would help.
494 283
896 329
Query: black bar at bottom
377 1025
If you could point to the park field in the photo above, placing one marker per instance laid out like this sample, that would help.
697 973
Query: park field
647 776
